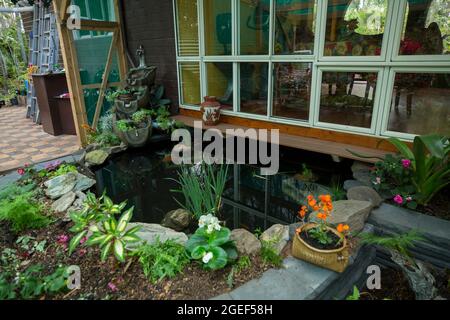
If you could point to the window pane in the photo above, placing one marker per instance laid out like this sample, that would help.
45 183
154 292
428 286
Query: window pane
254 84
294 26
420 103
347 98
187 20
217 15
254 22
427 28
219 77
292 90
190 83
355 28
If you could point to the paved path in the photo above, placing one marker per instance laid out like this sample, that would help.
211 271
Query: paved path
22 141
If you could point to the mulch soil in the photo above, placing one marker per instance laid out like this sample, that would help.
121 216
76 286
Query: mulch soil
129 281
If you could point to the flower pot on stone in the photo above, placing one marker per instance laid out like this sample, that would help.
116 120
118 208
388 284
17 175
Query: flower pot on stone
335 259
137 136
210 111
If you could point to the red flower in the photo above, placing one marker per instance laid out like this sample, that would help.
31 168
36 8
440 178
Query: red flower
21 171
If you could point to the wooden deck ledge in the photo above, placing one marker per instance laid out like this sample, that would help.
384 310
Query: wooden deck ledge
304 143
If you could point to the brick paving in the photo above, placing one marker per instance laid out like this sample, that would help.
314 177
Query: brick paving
22 141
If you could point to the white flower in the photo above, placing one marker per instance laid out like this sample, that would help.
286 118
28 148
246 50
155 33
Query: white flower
207 257
210 222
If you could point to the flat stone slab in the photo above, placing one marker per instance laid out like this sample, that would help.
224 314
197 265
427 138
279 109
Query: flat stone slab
297 280
401 220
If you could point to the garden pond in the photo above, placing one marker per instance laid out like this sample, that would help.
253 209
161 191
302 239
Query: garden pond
146 178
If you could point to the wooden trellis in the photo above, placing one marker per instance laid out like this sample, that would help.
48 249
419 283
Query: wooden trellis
72 67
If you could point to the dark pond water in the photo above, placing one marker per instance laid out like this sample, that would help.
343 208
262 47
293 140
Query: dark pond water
144 177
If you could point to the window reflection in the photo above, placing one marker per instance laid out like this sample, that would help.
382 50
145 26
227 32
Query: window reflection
254 27
347 98
420 103
254 82
427 28
187 20
218 21
294 26
292 90
220 82
190 83
355 27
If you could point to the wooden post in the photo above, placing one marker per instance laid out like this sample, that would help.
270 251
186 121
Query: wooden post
101 94
72 72
121 52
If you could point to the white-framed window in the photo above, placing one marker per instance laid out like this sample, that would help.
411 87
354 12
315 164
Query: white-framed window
330 64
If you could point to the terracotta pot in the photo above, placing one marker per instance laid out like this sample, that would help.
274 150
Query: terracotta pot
336 260
211 111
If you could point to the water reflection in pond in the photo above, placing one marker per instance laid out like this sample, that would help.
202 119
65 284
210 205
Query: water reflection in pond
146 178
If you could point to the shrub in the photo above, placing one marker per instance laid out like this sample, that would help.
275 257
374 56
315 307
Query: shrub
23 213
211 244
269 255
13 190
110 234
162 260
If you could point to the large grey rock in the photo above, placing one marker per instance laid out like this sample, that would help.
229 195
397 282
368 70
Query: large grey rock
360 166
177 220
246 242
277 236
363 177
365 194
348 184
352 212
96 157
150 233
64 203
83 183
59 186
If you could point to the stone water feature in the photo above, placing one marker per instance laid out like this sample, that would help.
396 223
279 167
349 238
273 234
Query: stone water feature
140 82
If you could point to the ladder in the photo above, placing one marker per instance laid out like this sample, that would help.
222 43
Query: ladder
44 52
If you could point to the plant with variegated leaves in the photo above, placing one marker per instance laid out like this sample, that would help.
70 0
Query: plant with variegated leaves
97 224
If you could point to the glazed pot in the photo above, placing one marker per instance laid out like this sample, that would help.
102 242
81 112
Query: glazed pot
336 259
210 111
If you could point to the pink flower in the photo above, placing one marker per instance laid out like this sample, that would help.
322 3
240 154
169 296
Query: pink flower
21 171
398 199
112 287
82 252
377 180
409 199
62 240
406 163
83 240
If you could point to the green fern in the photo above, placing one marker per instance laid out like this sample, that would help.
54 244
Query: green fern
400 243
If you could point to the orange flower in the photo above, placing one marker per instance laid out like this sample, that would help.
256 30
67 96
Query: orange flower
312 203
302 213
316 208
326 198
342 228
322 216
310 198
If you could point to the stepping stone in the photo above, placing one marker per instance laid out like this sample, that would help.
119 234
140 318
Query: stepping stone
83 183
365 194
64 203
59 186
246 242
348 184
150 233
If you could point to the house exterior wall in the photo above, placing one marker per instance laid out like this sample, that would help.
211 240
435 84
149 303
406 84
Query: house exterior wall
150 23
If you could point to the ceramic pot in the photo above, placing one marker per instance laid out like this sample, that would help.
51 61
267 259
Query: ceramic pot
210 111
336 260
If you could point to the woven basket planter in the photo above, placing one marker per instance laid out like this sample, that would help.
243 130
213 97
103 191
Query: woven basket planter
336 260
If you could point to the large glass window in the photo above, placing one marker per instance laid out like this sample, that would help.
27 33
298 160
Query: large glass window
218 27
355 27
347 98
426 28
325 64
292 90
253 88
254 27
420 103
294 26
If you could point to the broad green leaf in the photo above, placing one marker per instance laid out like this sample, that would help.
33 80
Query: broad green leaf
220 237
107 239
133 230
76 241
195 241
219 259
402 148
435 144
130 238
198 252
231 251
108 202
107 226
105 251
119 250
124 219
96 239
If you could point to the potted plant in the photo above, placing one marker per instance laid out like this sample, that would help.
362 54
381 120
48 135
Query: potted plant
125 95
317 242
136 131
